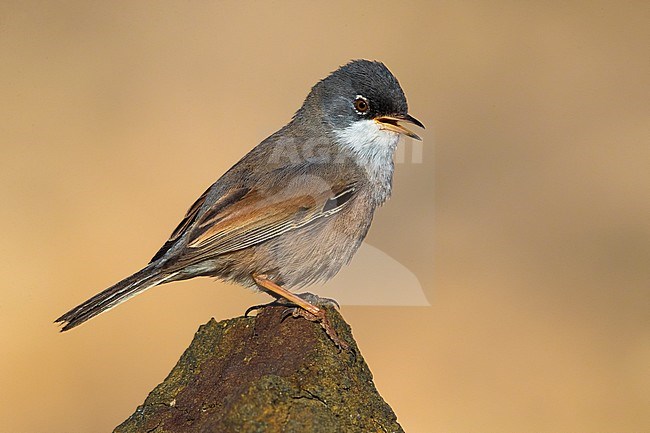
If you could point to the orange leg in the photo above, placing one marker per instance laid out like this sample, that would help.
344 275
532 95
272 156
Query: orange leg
269 285
305 309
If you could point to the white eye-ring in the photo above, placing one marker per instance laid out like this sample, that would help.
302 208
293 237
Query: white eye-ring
361 105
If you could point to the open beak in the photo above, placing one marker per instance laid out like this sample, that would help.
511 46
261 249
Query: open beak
391 123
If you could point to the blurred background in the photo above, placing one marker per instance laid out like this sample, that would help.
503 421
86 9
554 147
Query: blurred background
527 222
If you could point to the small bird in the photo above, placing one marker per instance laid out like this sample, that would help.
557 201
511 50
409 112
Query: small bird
293 210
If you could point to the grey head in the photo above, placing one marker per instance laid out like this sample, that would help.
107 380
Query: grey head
359 91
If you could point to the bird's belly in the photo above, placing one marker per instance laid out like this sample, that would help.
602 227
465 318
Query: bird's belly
314 253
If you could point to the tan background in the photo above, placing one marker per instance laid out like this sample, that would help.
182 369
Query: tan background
528 224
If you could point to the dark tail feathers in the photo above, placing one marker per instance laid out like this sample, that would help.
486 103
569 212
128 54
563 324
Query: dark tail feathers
114 295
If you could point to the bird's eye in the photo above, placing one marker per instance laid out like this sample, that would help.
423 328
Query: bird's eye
361 105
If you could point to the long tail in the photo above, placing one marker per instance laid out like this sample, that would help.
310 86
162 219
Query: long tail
114 295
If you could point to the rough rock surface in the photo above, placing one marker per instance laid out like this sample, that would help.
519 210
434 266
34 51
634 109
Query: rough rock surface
265 374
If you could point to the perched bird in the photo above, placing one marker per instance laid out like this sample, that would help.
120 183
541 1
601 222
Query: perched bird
296 208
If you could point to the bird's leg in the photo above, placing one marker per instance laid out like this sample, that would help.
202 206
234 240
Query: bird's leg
263 281
304 309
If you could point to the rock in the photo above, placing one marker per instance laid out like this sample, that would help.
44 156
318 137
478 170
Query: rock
265 374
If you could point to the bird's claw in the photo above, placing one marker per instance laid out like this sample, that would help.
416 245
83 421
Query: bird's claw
318 315
321 318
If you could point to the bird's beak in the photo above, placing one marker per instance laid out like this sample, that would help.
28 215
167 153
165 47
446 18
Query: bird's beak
391 123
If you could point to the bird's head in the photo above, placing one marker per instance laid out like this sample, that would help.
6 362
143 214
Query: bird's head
361 101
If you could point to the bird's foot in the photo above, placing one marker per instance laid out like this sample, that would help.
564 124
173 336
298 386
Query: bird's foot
316 300
303 305
318 314
310 298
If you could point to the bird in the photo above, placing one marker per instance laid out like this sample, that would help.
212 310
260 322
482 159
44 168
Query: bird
294 209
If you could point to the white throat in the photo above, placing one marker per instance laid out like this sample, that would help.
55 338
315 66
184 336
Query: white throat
374 148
